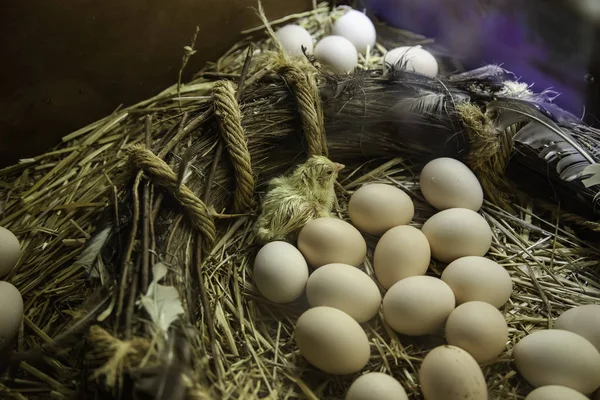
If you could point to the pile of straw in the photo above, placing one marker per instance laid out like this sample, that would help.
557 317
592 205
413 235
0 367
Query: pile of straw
174 181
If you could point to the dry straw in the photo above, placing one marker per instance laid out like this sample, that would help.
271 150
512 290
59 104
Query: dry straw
116 197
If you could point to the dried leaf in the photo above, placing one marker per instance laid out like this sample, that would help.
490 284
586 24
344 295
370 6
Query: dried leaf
593 170
161 302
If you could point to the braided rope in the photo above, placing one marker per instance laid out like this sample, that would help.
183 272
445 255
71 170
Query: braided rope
230 124
305 89
162 175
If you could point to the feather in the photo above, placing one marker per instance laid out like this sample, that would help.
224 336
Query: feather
552 142
89 258
161 302
428 103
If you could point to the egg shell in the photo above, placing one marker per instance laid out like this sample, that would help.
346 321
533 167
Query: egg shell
357 28
475 278
479 328
376 208
293 37
330 240
582 320
11 313
418 305
280 272
557 357
332 341
401 252
337 52
456 233
450 373
448 183
555 392
346 288
376 386
10 251
412 59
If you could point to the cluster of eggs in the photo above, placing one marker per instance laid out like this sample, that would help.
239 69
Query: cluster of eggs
11 313
353 34
464 301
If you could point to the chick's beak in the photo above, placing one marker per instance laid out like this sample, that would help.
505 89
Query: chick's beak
339 167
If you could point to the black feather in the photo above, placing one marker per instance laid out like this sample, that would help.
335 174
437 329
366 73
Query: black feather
551 141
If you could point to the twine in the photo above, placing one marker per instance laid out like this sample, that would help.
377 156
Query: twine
230 125
162 175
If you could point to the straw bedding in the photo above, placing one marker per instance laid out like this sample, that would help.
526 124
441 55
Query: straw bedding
165 187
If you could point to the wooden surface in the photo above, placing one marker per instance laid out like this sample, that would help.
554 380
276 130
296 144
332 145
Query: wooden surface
66 64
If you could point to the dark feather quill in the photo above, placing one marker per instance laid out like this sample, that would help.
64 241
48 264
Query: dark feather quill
552 142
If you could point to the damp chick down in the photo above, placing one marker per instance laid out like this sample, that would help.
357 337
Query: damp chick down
292 201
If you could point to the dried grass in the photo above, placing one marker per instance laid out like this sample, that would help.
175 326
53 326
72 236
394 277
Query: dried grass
239 345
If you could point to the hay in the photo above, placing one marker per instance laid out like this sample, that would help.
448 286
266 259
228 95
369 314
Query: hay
91 226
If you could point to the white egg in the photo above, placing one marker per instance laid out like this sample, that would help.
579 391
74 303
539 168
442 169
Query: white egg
337 52
293 37
376 386
280 272
413 59
11 314
357 28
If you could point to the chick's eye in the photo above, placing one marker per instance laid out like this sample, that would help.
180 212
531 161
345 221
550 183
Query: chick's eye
329 172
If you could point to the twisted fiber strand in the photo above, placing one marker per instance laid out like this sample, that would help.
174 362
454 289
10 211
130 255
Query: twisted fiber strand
162 175
304 86
230 124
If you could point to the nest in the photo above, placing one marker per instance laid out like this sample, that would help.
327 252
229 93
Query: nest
137 240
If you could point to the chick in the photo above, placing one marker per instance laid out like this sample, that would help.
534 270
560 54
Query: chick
292 201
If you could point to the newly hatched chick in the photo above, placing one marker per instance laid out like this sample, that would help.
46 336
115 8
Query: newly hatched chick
292 201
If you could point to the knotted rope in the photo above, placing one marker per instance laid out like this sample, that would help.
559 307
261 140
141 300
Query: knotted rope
162 175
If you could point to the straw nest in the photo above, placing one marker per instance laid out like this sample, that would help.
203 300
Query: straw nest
105 213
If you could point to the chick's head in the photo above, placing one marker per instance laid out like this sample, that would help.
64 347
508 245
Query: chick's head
318 173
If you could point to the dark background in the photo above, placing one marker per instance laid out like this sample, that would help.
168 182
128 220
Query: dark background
64 64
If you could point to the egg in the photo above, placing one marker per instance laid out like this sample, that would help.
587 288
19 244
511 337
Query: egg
376 208
11 313
479 328
555 392
450 373
330 240
293 37
412 59
332 341
346 288
401 252
337 52
280 272
376 386
448 183
474 278
557 357
418 305
582 320
10 251
357 28
456 233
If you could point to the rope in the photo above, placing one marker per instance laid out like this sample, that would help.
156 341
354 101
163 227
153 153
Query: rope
162 175
230 125
305 89
489 154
